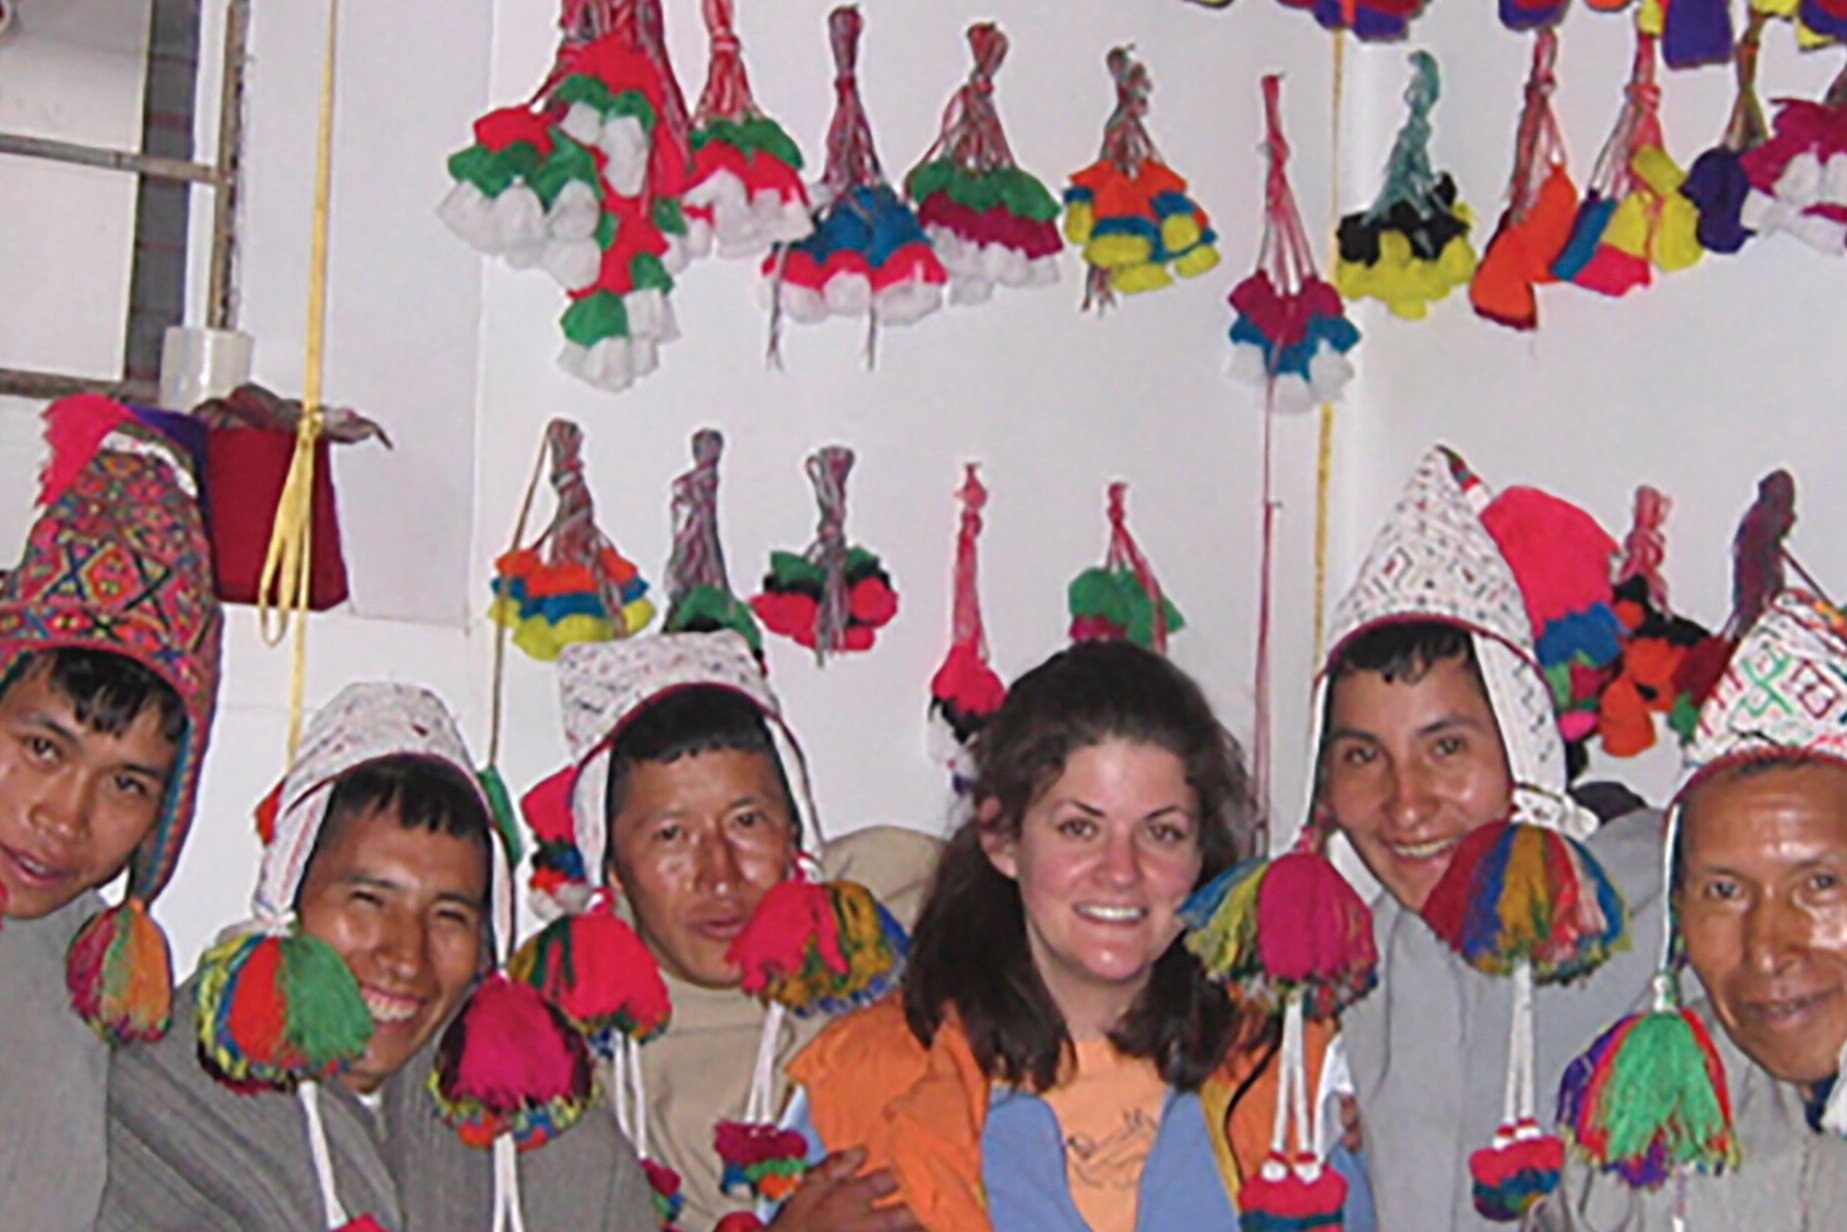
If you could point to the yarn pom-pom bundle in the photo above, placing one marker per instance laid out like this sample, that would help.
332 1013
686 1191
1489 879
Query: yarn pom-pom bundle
745 191
992 222
1412 247
584 181
1382 20
1291 334
1799 176
1633 217
1129 211
868 255
571 584
1818 23
965 691
1717 183
699 594
1121 600
1542 203
833 597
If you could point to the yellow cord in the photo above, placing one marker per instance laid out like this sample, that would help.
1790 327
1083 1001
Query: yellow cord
282 593
1324 445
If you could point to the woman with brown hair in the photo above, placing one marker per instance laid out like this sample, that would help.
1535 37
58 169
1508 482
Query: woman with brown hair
1056 1059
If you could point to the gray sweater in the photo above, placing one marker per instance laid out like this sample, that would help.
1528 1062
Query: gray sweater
187 1154
53 1075
1428 1047
1790 1178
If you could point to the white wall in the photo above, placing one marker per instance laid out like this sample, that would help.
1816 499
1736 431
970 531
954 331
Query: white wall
1697 385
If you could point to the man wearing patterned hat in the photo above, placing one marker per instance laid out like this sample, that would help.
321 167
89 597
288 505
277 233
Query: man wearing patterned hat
109 664
1760 902
1436 721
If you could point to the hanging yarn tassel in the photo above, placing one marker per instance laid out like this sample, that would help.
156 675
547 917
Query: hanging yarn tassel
1129 211
1716 182
1285 929
278 1007
1656 645
819 947
120 973
1649 1097
1291 335
699 595
664 1188
868 255
1692 32
1412 247
1370 20
571 584
1633 215
746 189
598 972
966 691
511 1063
1542 202
991 222
1121 600
1521 1165
759 1157
832 598
558 879
1293 1190
1798 176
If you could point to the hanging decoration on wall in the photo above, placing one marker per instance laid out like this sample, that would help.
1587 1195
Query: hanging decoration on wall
991 221
833 597
1716 182
1129 211
1633 216
966 690
1291 334
1542 203
570 584
1412 247
868 255
699 594
1380 20
585 182
1121 600
1692 32
1798 176
746 191
1818 22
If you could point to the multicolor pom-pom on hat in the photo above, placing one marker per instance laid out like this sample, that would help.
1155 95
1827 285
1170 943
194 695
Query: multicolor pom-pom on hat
117 561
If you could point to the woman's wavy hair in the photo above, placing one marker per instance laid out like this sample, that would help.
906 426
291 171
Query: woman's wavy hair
969 950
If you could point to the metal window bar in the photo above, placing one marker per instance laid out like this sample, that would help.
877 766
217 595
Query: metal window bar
221 176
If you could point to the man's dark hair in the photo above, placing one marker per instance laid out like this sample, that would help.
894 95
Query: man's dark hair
1405 650
700 718
426 794
108 691
970 953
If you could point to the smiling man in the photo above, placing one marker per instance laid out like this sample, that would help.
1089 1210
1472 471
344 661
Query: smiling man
688 798
1760 896
381 846
1435 721
109 655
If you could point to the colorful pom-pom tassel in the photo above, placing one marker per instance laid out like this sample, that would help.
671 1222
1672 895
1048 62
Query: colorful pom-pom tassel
819 947
1411 247
1292 1195
699 594
991 222
1122 599
595 969
275 1009
1517 893
1370 20
1129 212
764 1161
1513 1174
511 1063
664 1186
1649 1097
1288 925
120 974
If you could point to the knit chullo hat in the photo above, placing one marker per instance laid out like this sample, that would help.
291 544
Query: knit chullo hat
810 946
118 561
277 1007
1650 1096
1521 896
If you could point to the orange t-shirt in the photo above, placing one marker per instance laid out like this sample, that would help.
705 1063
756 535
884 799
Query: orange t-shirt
1108 1114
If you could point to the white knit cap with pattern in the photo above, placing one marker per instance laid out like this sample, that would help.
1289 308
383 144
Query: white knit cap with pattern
605 684
1434 560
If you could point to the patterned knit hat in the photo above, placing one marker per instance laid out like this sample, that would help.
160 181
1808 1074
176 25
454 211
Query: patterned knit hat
1436 559
118 561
